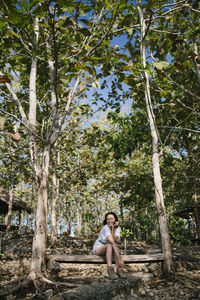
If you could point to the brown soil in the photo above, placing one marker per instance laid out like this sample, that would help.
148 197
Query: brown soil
89 281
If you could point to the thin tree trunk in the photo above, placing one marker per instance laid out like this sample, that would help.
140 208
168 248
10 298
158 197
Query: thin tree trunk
79 221
197 61
168 269
30 217
21 221
196 212
9 214
121 208
68 218
54 227
68 225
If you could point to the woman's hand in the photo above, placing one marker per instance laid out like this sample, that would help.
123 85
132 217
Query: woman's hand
116 224
121 263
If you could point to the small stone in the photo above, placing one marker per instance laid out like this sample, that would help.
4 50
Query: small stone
49 293
182 292
10 297
141 291
56 298
132 292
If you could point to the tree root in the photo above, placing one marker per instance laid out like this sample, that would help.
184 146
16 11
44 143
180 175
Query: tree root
23 285
16 287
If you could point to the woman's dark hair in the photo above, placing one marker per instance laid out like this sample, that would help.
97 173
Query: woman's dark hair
110 213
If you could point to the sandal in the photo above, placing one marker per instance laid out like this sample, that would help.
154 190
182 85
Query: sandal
121 274
111 273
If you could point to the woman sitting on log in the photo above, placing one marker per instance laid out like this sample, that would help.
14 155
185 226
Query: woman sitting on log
105 245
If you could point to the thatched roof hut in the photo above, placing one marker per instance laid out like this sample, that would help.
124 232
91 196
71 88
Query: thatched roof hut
18 205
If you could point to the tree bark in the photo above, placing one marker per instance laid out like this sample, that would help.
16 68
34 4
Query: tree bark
196 212
168 269
55 182
68 218
41 175
79 221
40 234
9 214
121 208
21 221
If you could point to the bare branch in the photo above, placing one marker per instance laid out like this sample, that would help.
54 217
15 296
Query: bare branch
190 108
177 84
11 153
180 128
169 5
103 37
15 98
19 120
180 86
23 43
164 31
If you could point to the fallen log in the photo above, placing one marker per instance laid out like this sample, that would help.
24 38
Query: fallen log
95 259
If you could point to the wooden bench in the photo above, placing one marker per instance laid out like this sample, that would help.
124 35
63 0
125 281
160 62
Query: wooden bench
95 259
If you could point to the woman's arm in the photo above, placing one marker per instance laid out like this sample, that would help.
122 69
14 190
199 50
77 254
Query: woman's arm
115 237
112 238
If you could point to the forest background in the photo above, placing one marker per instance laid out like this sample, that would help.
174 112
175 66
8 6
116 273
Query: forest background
96 98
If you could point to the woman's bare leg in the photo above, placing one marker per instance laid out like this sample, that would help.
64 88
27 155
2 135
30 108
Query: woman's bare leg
109 255
107 251
118 260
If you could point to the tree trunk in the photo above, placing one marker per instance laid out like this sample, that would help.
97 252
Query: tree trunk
196 212
9 214
54 228
40 234
168 269
121 208
79 221
41 175
68 218
197 63
21 221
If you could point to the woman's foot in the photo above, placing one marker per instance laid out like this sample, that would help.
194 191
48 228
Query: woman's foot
120 273
111 273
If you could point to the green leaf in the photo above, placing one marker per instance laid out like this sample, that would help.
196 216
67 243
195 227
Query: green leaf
14 17
160 65
64 79
86 22
91 70
24 4
115 60
2 24
85 31
34 2
129 30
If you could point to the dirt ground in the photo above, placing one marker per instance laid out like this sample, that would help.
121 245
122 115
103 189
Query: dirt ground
89 281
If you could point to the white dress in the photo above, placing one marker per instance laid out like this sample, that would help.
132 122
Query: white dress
103 236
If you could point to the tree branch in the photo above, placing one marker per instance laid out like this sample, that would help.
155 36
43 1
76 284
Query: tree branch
16 118
15 98
180 128
103 37
181 87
